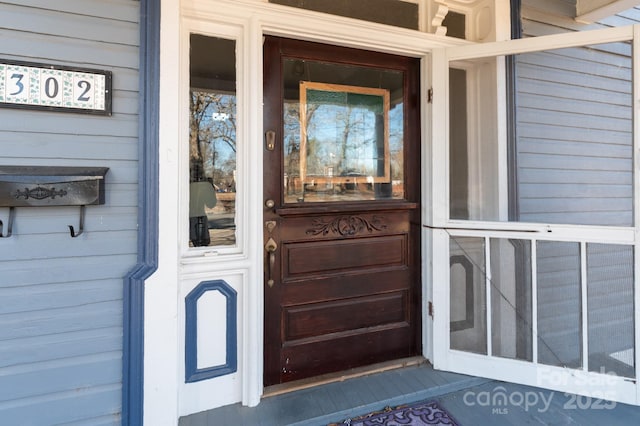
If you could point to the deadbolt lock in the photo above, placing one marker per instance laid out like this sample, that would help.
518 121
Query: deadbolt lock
270 225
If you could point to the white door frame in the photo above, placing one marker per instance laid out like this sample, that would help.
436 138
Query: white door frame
166 395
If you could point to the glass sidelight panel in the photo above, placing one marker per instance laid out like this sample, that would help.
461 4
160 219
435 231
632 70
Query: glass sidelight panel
468 307
569 155
511 316
610 304
212 142
559 304
343 132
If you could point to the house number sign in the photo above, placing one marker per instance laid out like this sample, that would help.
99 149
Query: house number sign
51 87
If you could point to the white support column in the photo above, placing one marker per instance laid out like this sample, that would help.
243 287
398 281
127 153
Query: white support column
252 345
161 349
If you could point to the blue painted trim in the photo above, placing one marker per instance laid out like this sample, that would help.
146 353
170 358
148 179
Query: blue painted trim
148 139
192 373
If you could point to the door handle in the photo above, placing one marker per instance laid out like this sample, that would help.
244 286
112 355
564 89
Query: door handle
271 248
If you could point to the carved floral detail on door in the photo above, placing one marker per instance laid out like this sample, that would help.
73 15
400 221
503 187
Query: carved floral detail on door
347 225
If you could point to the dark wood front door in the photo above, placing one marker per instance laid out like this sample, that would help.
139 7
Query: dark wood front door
342 211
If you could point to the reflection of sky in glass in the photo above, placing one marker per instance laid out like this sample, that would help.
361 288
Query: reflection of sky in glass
292 135
344 131
217 125
396 128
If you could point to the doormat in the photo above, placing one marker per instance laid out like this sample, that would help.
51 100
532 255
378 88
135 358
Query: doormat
423 413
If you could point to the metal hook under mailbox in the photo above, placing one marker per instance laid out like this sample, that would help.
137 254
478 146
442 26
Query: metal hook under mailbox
12 214
81 228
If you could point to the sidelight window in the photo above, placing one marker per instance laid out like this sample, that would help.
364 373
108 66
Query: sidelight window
212 142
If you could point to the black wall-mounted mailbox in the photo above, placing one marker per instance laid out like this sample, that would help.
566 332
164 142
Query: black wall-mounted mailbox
45 186
36 186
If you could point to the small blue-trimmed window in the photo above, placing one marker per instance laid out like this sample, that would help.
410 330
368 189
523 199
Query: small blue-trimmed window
192 372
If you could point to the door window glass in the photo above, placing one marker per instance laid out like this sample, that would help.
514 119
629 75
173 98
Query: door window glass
212 142
343 132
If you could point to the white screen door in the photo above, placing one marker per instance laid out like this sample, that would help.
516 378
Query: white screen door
535 233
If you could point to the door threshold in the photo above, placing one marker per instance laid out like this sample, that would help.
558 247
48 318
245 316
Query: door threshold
341 376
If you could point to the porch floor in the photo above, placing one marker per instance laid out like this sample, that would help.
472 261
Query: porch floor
468 399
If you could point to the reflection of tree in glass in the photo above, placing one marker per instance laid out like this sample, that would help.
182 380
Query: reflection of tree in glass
341 137
396 141
292 135
212 124
292 138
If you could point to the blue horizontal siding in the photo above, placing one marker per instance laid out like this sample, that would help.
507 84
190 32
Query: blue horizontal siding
61 298
80 405
61 375
121 10
35 122
574 126
575 165
56 296
60 320
64 24
25 144
19 273
29 47
71 344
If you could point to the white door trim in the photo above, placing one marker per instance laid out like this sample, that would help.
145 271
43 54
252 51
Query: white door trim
178 269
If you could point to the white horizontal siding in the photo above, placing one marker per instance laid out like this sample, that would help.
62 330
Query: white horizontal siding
61 312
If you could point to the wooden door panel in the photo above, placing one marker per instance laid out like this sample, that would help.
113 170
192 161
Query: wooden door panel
345 350
345 286
345 278
317 319
304 260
